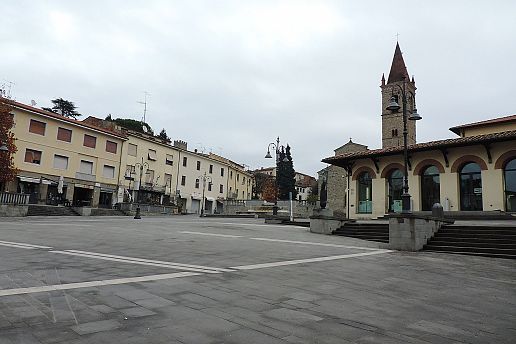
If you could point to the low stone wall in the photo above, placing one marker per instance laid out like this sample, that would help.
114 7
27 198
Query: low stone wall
10 210
409 232
301 209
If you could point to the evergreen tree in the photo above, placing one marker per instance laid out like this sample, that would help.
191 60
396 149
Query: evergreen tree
64 107
164 137
286 175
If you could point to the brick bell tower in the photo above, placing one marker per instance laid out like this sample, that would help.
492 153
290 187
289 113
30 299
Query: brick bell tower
392 122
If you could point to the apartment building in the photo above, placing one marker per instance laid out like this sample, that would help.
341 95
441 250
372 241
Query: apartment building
61 156
157 172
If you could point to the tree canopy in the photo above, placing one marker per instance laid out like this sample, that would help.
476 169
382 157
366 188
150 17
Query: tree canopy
286 176
7 169
132 124
163 136
63 107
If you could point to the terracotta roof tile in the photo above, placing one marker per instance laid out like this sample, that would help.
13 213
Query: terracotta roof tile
398 69
505 119
342 159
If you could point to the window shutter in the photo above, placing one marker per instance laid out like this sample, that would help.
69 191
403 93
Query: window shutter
37 127
90 141
111 147
64 134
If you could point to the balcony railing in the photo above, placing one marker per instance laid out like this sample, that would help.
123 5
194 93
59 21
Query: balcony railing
13 198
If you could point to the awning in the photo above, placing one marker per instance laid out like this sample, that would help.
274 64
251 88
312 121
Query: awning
48 181
107 190
211 199
84 186
29 179
198 197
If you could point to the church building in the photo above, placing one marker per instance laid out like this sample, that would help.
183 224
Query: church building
475 171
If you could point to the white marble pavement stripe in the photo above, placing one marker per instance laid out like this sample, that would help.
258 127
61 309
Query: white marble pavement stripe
127 261
68 286
213 234
315 243
201 267
308 260
22 245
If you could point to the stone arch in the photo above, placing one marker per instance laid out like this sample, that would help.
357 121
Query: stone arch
457 164
387 169
504 159
425 163
361 169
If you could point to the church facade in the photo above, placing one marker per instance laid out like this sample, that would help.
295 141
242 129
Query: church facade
475 171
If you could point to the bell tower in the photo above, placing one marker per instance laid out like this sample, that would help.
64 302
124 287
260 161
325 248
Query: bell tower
392 121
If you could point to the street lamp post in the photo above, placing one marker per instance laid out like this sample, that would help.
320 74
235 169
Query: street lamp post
277 147
140 166
204 178
414 116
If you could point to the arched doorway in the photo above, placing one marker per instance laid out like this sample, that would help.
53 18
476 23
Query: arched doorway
395 190
430 187
470 179
509 176
365 192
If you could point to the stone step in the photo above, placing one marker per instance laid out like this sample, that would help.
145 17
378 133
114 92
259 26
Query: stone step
476 239
475 235
447 248
478 254
496 244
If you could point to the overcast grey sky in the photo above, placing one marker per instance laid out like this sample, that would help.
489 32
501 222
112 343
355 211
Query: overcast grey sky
230 76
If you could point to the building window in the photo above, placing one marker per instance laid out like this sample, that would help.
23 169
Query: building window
198 165
130 172
238 177
111 147
32 156
86 167
222 172
221 188
64 134
197 183
152 155
211 168
108 172
230 174
183 180
365 187
168 180
395 188
169 160
149 177
185 160
60 162
509 174
430 185
37 127
132 149
470 187
243 180
243 194
209 186
90 141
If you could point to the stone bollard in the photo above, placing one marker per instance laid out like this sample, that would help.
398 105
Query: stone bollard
137 216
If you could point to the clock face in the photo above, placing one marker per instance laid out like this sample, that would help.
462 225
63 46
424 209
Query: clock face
145 129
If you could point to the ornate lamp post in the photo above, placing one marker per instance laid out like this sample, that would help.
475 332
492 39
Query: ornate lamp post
414 116
278 149
140 166
204 178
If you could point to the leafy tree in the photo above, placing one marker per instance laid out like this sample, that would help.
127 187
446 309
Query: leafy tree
269 190
108 118
286 175
260 181
7 170
163 136
64 107
314 193
135 125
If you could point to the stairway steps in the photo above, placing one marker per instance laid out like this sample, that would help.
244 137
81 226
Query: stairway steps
480 231
478 254
507 251
378 232
473 236
38 210
497 244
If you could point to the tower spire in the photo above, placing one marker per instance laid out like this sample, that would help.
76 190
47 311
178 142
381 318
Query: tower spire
398 69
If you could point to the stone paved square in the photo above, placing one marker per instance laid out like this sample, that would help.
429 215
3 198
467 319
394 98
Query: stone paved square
185 279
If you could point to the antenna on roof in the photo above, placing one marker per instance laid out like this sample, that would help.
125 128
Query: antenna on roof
144 105
5 89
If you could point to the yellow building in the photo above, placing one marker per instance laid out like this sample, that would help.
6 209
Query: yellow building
157 172
52 148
